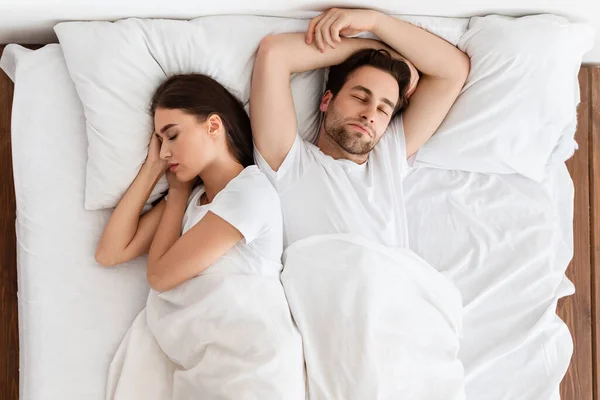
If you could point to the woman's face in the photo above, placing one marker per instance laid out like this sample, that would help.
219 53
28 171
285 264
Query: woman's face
187 145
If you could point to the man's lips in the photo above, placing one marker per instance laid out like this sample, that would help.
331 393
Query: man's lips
362 129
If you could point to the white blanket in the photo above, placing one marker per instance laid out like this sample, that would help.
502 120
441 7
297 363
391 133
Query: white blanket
217 336
376 322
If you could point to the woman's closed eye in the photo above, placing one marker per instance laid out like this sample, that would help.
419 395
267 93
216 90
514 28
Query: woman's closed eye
173 137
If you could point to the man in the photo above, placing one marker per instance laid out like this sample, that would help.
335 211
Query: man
351 180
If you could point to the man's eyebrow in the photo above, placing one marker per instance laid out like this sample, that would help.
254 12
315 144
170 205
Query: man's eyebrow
362 89
370 93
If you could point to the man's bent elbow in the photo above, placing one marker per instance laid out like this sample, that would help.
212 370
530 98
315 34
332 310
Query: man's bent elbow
268 45
463 68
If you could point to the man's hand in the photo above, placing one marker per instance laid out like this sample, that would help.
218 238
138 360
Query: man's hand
325 29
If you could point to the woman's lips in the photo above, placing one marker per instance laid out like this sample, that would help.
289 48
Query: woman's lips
173 167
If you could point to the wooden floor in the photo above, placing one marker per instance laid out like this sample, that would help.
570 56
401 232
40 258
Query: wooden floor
581 311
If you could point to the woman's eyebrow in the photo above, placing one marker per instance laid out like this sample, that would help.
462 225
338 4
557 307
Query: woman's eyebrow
166 127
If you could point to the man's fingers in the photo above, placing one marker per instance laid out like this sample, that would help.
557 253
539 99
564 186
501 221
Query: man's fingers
310 32
335 29
325 26
319 34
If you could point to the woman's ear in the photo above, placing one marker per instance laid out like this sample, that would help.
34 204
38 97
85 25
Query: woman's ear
215 125
325 100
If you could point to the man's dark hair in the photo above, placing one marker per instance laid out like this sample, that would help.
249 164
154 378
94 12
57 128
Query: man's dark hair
380 59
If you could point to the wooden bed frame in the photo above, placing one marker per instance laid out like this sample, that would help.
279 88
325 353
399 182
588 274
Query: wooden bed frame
580 311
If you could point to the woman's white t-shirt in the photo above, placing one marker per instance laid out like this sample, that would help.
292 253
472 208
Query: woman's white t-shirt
251 205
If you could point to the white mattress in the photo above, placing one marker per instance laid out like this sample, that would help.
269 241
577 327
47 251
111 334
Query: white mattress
504 240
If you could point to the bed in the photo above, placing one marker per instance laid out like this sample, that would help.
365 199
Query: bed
509 262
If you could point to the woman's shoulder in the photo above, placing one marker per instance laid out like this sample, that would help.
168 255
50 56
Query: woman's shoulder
254 180
257 192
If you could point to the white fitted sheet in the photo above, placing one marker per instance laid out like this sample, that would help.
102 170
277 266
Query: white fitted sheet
504 240
72 313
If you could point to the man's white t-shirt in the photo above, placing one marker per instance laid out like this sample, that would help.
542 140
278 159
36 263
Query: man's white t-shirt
251 205
321 195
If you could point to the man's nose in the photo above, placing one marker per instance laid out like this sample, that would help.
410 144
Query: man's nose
367 114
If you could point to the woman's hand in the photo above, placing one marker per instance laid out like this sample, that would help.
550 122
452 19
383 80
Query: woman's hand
174 184
325 29
153 159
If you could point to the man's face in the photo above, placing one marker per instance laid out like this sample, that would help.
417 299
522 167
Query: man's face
359 114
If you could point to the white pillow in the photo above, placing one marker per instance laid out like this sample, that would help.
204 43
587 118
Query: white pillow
117 66
519 101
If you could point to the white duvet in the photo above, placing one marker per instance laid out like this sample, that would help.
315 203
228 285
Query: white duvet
216 336
376 322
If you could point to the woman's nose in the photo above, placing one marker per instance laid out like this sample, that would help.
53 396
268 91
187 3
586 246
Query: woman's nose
165 152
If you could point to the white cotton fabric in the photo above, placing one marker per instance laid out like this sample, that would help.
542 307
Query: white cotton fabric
505 241
226 333
117 66
250 204
74 314
517 111
322 195
377 322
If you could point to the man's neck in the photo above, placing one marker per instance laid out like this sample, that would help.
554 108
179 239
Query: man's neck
331 148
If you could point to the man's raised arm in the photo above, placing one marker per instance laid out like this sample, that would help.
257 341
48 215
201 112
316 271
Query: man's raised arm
444 67
272 113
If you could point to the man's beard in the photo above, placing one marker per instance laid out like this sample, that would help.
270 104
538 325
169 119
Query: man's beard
351 142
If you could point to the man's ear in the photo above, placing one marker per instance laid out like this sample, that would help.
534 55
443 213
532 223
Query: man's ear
215 125
326 100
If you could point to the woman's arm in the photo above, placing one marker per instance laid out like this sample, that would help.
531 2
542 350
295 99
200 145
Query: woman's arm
173 259
126 235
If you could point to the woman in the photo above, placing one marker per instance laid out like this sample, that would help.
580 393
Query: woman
217 308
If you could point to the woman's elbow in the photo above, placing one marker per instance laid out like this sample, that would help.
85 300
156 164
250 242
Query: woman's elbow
158 283
156 279
104 258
